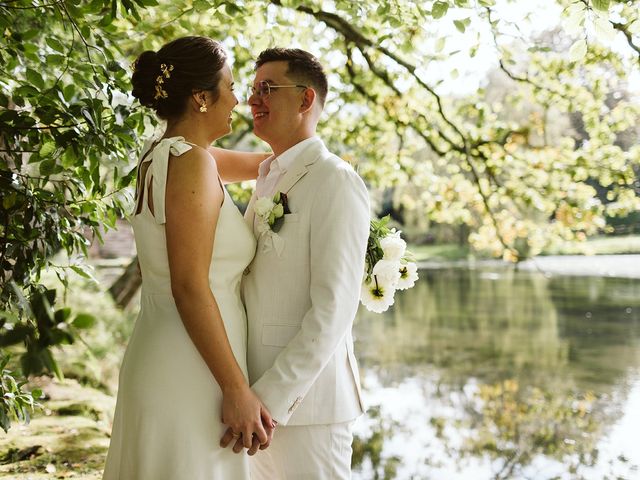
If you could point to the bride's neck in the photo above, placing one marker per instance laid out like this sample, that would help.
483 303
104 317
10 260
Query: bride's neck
189 131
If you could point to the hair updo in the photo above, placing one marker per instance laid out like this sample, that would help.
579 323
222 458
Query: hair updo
178 69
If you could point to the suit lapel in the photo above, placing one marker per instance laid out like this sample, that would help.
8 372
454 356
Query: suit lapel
301 167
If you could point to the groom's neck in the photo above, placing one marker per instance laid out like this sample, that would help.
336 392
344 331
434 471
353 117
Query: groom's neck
282 145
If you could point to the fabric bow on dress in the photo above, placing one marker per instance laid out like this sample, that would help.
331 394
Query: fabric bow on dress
175 146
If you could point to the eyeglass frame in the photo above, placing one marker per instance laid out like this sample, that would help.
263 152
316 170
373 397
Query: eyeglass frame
254 91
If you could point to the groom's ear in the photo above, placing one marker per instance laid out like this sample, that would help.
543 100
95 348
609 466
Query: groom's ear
308 99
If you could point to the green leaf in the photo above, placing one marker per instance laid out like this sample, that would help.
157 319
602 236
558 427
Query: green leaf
55 59
602 5
461 25
62 314
35 78
439 9
47 167
50 363
578 50
55 44
604 29
9 200
84 320
47 149
69 91
84 271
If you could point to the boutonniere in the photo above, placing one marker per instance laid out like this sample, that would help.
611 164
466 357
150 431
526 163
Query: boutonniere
270 212
388 267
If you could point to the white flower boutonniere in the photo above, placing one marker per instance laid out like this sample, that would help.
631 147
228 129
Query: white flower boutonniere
387 267
270 212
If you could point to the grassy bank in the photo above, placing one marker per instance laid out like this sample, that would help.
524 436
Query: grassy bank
594 246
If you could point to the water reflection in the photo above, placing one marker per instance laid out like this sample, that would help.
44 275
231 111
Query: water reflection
498 374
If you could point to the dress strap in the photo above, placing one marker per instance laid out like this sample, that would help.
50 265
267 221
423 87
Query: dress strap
157 172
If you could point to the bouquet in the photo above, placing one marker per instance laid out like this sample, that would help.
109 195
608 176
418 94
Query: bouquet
388 267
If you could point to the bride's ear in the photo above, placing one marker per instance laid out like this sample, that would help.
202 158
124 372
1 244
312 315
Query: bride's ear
199 101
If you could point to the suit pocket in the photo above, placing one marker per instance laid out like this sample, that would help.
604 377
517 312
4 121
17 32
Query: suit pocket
291 217
278 335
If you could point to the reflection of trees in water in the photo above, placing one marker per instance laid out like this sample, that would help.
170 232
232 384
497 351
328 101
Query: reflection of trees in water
601 322
503 324
485 325
514 425
369 448
523 432
536 345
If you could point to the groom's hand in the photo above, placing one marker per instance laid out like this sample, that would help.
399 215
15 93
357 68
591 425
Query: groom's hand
255 444
269 428
238 442
228 436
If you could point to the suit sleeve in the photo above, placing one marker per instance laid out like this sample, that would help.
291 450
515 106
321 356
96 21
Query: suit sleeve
338 239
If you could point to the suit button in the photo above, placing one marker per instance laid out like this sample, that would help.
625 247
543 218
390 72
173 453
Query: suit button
247 271
295 404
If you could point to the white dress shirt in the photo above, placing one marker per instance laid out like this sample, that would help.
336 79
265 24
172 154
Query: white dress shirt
272 169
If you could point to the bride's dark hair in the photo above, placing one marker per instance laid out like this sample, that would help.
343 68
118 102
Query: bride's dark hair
163 80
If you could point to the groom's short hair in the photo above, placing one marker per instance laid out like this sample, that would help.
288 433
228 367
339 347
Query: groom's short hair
302 67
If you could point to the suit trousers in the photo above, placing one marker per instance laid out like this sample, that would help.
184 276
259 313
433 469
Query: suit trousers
306 452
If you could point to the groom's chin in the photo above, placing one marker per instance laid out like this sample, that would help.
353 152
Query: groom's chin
258 132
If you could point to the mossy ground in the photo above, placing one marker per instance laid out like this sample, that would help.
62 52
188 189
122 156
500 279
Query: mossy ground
68 439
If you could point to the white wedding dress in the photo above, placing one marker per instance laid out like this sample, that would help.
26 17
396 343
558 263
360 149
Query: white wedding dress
167 420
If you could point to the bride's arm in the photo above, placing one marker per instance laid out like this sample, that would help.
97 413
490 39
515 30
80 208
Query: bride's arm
193 201
235 166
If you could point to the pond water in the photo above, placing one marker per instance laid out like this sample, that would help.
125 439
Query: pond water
499 374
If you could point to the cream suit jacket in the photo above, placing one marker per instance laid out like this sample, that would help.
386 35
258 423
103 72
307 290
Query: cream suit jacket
301 303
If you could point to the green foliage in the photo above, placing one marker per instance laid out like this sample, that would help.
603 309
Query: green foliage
67 136
377 229
16 402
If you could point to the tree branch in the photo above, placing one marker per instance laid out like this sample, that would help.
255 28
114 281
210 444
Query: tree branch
625 30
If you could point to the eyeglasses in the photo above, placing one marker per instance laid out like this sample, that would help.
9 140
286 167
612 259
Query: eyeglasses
264 88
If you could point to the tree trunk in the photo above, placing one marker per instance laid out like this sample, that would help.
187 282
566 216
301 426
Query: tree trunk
125 287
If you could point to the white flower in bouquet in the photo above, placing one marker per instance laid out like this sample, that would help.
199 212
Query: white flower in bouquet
387 271
393 246
387 267
376 296
408 276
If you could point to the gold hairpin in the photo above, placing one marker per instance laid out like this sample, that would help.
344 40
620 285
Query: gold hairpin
160 79
165 70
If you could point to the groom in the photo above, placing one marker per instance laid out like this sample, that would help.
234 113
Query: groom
303 287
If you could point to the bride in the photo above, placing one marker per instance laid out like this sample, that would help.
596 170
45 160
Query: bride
183 378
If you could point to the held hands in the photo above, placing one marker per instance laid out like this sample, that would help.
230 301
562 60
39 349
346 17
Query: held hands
250 424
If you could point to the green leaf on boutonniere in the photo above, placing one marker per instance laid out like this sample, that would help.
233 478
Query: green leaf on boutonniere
277 224
279 209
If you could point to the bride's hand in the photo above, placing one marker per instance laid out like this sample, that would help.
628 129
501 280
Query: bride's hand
269 426
242 411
